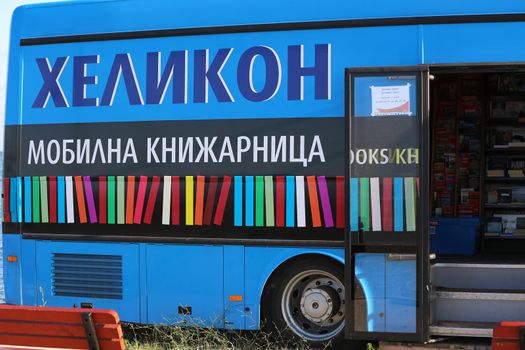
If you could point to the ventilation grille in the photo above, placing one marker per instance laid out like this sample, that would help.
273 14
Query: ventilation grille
87 275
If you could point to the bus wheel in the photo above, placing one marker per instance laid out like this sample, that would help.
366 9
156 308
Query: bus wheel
305 299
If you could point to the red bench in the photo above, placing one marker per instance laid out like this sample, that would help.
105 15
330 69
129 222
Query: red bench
509 336
64 328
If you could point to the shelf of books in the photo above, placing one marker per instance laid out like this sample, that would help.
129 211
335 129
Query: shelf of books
457 121
504 198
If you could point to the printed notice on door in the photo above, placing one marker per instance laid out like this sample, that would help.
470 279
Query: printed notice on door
391 100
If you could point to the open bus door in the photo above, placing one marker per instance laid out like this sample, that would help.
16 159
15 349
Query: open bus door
386 239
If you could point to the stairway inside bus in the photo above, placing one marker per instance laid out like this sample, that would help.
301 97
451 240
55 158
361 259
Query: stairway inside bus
478 199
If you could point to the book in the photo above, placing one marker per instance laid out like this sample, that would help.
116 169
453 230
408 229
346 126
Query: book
515 173
494 226
505 195
495 173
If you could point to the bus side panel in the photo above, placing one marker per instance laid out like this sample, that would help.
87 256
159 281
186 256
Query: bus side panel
261 262
104 274
185 284
474 43
234 309
12 278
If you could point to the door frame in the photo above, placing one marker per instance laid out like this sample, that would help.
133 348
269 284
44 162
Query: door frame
421 240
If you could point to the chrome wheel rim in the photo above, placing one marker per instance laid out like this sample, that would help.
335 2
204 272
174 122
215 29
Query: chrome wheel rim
313 305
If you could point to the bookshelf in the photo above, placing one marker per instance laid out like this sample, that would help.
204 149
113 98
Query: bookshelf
503 210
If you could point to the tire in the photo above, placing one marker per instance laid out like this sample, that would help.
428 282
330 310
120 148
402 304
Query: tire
304 300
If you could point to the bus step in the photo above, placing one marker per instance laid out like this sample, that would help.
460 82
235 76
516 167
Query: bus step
462 329
477 305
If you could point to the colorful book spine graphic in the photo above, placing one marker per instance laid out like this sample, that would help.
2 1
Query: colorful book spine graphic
130 200
223 197
121 195
210 200
61 199
27 200
166 200
199 201
189 200
387 204
111 195
152 199
141 196
340 202
290 201
377 204
80 200
314 201
237 199
175 200
90 199
300 200
102 199
375 198
250 190
52 199
69 200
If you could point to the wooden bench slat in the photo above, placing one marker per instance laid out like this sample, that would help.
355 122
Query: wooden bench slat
58 327
54 315
64 343
52 330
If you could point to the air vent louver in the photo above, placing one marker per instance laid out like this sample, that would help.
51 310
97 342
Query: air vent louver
87 275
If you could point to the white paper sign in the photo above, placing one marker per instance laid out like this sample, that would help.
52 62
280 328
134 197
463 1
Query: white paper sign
391 100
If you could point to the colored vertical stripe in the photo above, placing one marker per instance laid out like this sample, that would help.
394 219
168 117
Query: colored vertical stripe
210 200
53 199
410 203
130 199
364 203
250 189
314 201
199 200
237 201
290 201
27 200
69 200
340 202
102 199
141 196
325 202
354 204
300 199
12 200
398 204
259 201
152 199
418 189
90 200
79 191
19 196
175 200
375 199
280 202
121 197
166 200
61 199
223 198
36 199
111 200
387 204
189 200
269 203
43 200
7 213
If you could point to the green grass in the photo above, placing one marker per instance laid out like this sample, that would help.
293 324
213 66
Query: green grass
163 337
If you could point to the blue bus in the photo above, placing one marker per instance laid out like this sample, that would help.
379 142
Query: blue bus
235 165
